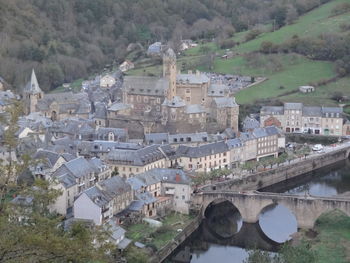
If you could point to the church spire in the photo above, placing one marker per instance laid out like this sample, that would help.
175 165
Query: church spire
33 85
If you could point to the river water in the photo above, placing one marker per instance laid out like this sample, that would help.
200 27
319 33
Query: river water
277 222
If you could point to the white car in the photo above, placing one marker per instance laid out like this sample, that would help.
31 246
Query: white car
317 147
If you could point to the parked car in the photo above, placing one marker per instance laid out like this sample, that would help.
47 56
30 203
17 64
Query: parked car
317 147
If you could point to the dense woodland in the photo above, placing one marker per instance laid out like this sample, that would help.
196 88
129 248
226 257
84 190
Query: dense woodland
70 39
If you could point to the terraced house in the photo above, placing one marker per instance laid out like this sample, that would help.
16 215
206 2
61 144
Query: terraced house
295 117
127 163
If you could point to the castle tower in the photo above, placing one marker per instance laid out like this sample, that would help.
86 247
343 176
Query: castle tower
32 93
169 71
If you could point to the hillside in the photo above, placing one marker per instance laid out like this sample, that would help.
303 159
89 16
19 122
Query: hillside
319 33
66 40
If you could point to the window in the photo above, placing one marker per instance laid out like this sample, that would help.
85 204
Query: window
188 91
183 197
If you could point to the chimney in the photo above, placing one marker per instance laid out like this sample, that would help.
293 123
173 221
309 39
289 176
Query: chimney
177 178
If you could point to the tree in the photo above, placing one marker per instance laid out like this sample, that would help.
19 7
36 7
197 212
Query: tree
30 232
10 168
301 253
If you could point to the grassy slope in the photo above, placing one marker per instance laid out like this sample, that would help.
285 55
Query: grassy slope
333 242
292 75
314 23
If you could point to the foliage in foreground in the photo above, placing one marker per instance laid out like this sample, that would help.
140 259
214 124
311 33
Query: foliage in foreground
30 233
301 253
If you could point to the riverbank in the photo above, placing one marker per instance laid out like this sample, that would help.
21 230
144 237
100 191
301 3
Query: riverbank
283 172
330 238
159 243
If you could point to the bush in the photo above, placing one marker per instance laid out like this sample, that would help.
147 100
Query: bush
252 34
341 9
268 47
227 43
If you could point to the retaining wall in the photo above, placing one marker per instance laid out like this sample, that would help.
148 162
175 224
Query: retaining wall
267 178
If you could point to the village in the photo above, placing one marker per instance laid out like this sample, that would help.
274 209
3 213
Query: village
126 150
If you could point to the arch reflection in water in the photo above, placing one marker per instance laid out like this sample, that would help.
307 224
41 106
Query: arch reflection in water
278 223
223 218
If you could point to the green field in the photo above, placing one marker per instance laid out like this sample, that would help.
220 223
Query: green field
284 72
333 242
153 236
314 23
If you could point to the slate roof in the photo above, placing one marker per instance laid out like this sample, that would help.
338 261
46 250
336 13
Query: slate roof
234 143
334 111
274 110
77 167
117 106
100 110
145 198
115 186
189 137
250 123
176 102
203 150
119 133
138 157
217 90
141 85
6 97
76 103
293 106
272 130
175 176
192 78
312 111
225 102
156 138
99 197
107 190
67 180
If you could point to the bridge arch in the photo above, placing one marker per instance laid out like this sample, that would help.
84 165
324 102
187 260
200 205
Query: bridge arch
278 222
217 201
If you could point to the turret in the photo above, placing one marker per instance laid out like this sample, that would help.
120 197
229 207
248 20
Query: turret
169 72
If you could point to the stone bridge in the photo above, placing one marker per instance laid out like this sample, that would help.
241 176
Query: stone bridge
249 236
306 209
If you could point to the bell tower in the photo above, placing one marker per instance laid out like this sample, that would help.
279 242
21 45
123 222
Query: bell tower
169 72
32 94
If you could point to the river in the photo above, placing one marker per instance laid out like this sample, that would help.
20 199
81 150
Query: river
215 240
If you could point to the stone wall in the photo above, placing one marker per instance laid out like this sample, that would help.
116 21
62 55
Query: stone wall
280 174
164 252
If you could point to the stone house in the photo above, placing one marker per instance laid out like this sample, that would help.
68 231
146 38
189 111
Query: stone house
126 65
171 189
225 111
131 162
236 147
107 81
100 202
295 117
267 142
73 177
203 158
306 89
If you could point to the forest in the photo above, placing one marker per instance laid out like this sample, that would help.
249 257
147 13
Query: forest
66 40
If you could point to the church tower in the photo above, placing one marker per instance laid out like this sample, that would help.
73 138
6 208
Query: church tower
32 94
169 72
